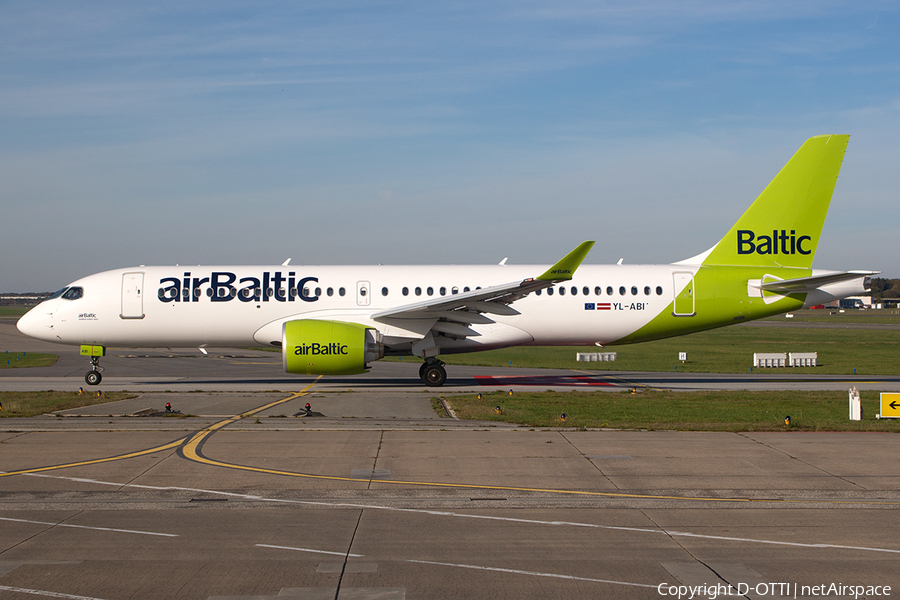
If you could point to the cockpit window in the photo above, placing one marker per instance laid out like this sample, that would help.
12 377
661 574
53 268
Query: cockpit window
57 294
73 293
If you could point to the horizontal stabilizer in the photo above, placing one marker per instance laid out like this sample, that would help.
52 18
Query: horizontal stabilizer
808 284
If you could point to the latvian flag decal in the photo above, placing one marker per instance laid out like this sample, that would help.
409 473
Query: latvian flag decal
598 306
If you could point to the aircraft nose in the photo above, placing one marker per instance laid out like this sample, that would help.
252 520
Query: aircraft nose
36 324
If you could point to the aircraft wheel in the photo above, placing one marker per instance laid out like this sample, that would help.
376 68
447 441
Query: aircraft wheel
93 377
434 374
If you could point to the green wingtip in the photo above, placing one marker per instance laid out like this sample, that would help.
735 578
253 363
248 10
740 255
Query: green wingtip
565 268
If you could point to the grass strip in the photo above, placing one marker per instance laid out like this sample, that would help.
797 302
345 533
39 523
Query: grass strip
20 360
685 411
727 350
29 404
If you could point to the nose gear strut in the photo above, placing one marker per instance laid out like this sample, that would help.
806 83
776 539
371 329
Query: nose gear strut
93 376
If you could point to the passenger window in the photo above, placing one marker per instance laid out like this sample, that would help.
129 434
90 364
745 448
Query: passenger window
598 290
341 291
443 291
418 291
585 290
330 291
549 291
634 290
454 290
574 291
622 290
537 292
318 292
384 291
562 291
646 290
466 289
659 290
430 291
609 291
406 291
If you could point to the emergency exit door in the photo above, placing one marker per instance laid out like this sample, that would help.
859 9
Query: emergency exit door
132 296
684 295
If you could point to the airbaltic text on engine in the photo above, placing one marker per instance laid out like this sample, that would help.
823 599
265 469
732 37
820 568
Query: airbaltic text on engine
316 349
764 244
269 286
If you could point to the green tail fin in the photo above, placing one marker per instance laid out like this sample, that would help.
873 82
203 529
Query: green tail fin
782 227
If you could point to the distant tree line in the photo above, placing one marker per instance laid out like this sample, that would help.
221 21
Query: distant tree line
24 299
885 288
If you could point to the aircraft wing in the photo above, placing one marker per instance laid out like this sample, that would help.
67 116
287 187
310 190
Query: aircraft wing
808 284
452 314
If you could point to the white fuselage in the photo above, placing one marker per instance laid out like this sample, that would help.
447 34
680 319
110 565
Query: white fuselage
247 305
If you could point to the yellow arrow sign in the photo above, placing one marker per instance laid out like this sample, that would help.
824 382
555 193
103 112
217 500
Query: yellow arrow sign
890 405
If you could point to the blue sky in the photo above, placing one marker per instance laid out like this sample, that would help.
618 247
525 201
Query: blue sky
454 132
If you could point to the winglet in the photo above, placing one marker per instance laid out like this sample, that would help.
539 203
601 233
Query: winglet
565 268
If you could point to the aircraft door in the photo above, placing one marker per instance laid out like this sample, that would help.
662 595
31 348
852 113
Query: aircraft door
684 301
363 291
132 296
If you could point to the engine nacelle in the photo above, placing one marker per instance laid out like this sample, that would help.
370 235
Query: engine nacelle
312 347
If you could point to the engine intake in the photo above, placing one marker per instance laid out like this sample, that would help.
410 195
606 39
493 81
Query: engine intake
313 347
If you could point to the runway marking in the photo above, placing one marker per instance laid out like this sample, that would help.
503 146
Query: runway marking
441 513
475 567
191 451
89 527
534 573
95 461
205 432
310 550
9 588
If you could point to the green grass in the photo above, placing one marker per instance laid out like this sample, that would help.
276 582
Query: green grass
13 311
29 404
726 350
890 316
17 360
688 411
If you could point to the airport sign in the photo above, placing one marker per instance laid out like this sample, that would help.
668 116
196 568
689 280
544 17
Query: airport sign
890 405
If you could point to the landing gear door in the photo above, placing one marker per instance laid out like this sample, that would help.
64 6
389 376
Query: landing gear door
684 295
363 291
132 296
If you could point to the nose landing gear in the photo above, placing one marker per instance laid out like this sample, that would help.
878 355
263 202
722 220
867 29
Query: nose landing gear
93 376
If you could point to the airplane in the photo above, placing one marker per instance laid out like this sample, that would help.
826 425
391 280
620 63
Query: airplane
336 320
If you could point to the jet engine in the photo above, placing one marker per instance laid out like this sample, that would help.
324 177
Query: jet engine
314 347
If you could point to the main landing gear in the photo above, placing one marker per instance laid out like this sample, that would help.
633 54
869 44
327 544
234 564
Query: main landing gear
432 372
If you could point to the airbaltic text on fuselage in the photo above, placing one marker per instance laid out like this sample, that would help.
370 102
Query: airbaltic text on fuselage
781 242
316 349
222 286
